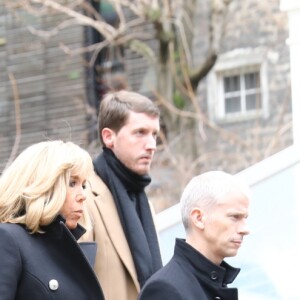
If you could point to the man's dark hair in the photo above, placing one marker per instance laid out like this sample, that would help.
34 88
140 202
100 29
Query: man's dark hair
116 106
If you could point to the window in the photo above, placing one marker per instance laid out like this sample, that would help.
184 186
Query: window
237 87
241 93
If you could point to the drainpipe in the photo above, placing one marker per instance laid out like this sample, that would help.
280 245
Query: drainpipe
292 7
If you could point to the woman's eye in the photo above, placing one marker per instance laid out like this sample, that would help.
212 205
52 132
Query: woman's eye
72 183
84 186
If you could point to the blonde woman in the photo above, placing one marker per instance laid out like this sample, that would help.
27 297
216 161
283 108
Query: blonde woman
42 194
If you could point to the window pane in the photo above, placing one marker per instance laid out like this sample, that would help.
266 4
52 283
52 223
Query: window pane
231 84
232 104
253 102
252 80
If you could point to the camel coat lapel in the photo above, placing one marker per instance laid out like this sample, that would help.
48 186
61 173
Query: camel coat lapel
111 220
114 264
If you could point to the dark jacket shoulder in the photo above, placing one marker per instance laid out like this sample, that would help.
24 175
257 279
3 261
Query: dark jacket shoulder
190 276
44 266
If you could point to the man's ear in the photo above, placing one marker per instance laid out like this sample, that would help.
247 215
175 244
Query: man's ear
197 218
108 137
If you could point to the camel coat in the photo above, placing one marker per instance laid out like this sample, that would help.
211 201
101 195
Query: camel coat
114 264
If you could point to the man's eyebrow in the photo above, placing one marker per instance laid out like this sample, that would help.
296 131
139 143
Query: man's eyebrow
238 212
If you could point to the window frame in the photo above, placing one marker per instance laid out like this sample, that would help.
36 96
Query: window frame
241 93
237 62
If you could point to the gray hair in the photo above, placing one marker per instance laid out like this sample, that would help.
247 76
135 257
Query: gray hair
206 190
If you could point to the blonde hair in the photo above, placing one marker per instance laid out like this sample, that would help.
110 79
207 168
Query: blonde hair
34 187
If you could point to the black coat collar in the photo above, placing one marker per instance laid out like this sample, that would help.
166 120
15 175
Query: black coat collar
203 268
58 225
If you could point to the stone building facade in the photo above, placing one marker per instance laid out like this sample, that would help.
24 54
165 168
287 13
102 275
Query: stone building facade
247 93
248 90
42 92
247 96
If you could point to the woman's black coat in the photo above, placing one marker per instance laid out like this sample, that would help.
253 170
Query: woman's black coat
45 266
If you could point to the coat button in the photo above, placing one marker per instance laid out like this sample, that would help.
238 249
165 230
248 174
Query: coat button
53 284
214 275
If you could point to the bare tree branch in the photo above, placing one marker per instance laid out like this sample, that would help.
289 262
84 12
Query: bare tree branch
17 119
104 28
203 118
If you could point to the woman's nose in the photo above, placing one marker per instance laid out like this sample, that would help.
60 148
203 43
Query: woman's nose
81 196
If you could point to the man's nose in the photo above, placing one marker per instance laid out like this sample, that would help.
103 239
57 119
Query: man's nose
244 229
151 142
